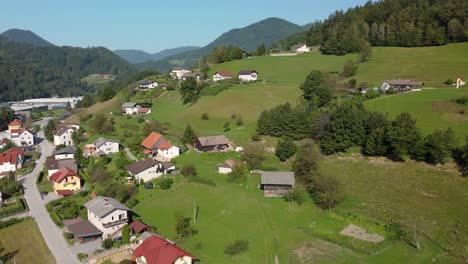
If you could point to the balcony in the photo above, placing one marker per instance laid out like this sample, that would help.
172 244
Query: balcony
117 222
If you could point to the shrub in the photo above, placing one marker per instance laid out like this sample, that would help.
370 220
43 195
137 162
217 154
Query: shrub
255 137
56 219
239 121
10 222
125 235
81 256
188 170
285 148
352 83
297 195
49 207
132 202
253 155
107 243
183 227
462 100
236 248
238 174
449 81
227 127
233 116
126 261
39 177
326 191
205 116
68 235
165 183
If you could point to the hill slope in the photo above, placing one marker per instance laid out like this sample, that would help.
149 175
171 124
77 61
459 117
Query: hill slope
25 37
248 38
138 56
29 72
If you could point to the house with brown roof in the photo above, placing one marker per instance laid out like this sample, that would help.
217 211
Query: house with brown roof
276 183
53 165
400 85
146 170
15 125
63 134
227 166
221 76
158 250
213 143
158 147
82 229
139 227
65 181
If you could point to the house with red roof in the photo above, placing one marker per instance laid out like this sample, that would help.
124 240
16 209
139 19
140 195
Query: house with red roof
159 148
158 250
15 125
222 75
65 181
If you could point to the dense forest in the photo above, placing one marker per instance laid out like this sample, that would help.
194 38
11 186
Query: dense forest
404 23
30 72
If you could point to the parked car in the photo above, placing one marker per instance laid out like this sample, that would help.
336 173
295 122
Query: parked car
149 186
44 193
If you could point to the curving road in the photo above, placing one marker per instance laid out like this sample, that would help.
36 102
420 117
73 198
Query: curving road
53 236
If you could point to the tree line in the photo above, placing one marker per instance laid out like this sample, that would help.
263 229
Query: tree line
30 72
402 23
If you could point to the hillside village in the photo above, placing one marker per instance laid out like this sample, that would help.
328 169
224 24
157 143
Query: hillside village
285 154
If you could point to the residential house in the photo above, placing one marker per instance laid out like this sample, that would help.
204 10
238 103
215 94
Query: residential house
300 48
19 135
400 85
82 229
222 75
146 170
158 250
138 227
247 76
134 109
159 148
147 84
164 85
64 153
194 75
213 143
460 82
65 181
108 215
10 161
63 134
276 183
53 165
15 125
178 72
106 146
227 166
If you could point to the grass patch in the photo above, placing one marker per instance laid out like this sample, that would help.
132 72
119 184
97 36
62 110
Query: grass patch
25 242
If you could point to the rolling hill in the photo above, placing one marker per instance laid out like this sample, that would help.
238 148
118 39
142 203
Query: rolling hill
25 37
138 56
248 38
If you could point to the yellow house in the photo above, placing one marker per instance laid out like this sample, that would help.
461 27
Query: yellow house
65 181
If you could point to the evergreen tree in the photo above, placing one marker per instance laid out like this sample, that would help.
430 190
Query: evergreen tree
375 144
189 91
316 86
261 50
439 146
189 135
365 51
285 148
403 136
349 69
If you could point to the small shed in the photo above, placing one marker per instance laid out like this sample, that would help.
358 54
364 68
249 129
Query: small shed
227 166
276 183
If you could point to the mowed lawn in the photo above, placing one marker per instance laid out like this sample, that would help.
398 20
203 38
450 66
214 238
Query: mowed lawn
410 193
432 108
24 240
247 100
432 65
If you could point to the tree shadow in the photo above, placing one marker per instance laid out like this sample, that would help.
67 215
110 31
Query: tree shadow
9 255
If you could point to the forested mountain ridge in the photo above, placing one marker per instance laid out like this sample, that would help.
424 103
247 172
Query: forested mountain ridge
403 23
25 37
139 56
27 71
248 38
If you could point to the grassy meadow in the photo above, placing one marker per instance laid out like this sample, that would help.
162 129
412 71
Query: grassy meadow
25 242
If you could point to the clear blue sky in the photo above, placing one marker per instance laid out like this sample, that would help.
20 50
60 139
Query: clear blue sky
152 25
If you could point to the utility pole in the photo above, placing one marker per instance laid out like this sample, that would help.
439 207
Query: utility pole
194 213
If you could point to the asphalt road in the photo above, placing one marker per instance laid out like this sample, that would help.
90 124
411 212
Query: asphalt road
53 236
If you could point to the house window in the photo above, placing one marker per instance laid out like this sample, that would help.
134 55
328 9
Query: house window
121 216
112 218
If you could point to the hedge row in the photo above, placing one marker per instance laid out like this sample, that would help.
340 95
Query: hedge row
19 207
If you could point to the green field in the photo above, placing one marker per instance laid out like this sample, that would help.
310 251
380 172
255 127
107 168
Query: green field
272 226
432 108
25 242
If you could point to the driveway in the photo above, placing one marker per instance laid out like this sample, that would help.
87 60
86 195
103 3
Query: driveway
53 236
130 155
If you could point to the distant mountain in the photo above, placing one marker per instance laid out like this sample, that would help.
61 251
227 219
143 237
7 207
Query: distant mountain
138 56
25 37
248 38
28 71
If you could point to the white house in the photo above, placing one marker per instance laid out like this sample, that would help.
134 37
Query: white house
22 137
107 214
134 109
64 153
63 135
300 48
147 84
178 72
107 146
149 169
10 161
194 75
460 82
221 75
400 85
159 148
247 76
